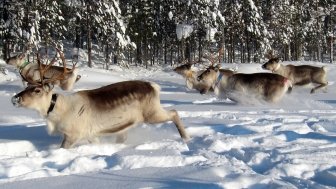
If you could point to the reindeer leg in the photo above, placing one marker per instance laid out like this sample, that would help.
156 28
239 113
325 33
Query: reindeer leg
121 137
162 116
179 125
68 142
318 87
94 140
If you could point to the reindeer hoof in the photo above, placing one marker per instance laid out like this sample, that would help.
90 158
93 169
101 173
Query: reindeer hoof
312 91
186 139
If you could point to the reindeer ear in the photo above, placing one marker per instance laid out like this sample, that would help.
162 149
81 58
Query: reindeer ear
48 87
216 67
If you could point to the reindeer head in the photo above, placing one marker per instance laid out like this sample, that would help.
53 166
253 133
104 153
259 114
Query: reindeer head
19 59
39 93
272 64
209 74
33 97
183 69
212 76
16 60
208 77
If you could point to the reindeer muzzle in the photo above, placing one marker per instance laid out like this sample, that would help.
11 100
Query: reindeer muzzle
16 100
263 66
202 91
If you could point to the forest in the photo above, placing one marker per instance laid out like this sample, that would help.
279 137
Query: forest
148 32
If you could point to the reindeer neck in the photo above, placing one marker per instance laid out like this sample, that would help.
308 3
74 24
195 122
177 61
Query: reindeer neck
276 69
190 74
218 79
52 106
23 65
52 103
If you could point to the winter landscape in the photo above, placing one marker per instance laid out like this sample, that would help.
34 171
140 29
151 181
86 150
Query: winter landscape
290 144
250 144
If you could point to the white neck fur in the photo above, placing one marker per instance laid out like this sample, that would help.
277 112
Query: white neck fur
277 67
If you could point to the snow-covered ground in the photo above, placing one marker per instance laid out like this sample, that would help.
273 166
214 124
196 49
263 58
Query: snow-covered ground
291 144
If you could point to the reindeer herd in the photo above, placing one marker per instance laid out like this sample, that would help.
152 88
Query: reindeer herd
270 87
115 108
88 114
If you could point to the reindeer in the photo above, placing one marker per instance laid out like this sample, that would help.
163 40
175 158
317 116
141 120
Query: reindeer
30 71
190 76
88 114
299 75
267 86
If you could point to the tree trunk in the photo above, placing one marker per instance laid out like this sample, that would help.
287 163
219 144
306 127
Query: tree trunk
78 33
171 57
199 49
331 49
233 50
165 52
331 40
145 57
89 41
107 58
138 54
187 51
115 53
242 52
248 49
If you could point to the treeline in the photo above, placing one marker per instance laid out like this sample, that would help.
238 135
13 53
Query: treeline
169 31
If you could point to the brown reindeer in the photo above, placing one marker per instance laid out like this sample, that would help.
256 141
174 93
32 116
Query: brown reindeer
267 86
190 76
88 114
299 75
29 71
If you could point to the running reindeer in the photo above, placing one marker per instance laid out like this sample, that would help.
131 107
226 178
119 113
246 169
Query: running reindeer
191 75
87 114
29 71
226 83
299 75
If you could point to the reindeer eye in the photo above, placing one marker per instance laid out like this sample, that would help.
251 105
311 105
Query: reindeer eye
37 90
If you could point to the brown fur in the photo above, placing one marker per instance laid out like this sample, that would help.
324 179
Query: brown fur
119 128
30 73
112 96
190 77
111 109
207 78
183 69
299 75
267 86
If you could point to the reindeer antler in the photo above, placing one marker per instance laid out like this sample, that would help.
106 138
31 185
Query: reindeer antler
44 68
64 62
212 59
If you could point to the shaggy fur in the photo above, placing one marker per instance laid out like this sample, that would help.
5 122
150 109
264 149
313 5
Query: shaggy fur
299 75
90 113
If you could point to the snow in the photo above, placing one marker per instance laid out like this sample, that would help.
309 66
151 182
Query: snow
291 144
170 15
183 31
